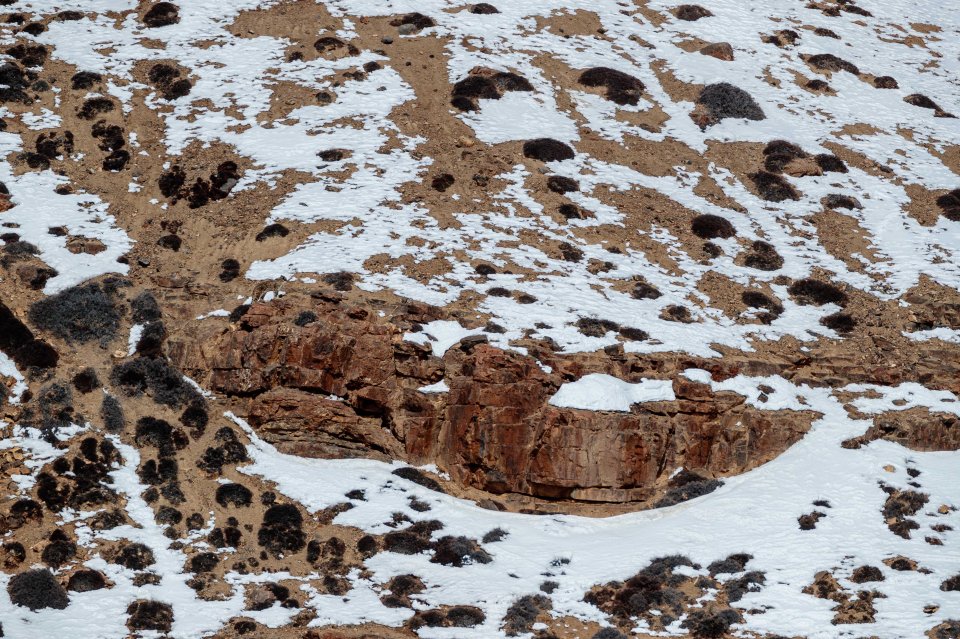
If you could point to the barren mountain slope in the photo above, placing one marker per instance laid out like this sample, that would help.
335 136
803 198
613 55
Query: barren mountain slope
377 318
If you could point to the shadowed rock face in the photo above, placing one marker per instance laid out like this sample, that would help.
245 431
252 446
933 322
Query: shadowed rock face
493 430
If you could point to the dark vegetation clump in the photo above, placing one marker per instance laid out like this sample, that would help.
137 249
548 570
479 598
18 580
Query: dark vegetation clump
830 163
644 291
417 20
523 613
162 14
951 584
809 520
949 203
756 299
203 562
151 340
837 201
412 540
418 477
37 589
622 88
86 381
779 153
710 625
159 434
814 292
547 150
863 574
654 588
723 100
19 343
195 417
171 182
840 322
711 226
495 535
900 505
12 76
59 551
773 187
134 556
93 107
609 633
154 375
561 184
149 615
230 451
280 531
145 308
691 12
738 587
885 82
272 230
401 587
30 55
830 62
116 161
168 516
305 317
763 256
167 79
236 495
53 146
230 270
55 408
340 281
459 551
442 182
83 80
732 564
155 472
687 485
79 314
12 554
922 101
483 8
86 580
593 327
111 413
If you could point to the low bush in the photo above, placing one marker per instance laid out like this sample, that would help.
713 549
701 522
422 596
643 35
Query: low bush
86 580
842 323
723 100
814 292
622 88
166 384
235 495
79 314
830 62
523 613
37 589
949 203
459 551
134 556
773 187
709 226
483 8
691 12
149 615
162 14
548 150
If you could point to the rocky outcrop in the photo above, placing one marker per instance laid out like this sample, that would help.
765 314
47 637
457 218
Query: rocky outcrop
345 383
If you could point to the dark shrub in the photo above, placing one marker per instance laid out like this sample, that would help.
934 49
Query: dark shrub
442 182
830 62
143 374
150 615
151 340
952 584
809 520
644 291
711 625
79 314
203 562
817 85
885 82
170 241
773 187
561 184
710 226
111 413
230 270
86 580
836 201
272 230
305 317
922 101
547 150
134 556
84 80
37 589
622 88
93 107
195 417
609 633
476 87
817 293
864 574
459 551
280 532
19 343
495 535
464 616
732 564
763 256
171 182
483 8
687 485
840 322
904 503
633 334
162 14
950 205
168 516
783 147
340 281
418 477
235 495
592 327
523 613
58 552
160 434
418 20
86 381
723 100
737 588
830 163
116 161
691 12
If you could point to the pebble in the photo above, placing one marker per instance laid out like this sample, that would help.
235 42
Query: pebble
406 29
